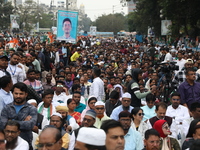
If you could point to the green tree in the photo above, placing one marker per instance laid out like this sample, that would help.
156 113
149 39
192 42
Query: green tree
111 23
5 11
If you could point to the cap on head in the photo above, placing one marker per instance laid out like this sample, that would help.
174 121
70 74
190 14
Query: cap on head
96 137
98 103
91 113
62 108
126 95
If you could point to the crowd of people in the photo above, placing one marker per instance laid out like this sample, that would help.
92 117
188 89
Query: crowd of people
102 94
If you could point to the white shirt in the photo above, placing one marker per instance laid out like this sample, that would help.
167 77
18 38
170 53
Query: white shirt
21 144
23 69
60 97
16 73
180 63
97 89
168 57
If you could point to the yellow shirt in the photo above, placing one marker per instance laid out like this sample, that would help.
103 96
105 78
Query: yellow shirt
75 56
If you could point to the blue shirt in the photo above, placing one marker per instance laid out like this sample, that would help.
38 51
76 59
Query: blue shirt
117 110
148 112
133 140
189 93
5 98
80 108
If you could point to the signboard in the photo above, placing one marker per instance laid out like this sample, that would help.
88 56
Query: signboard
165 24
93 30
14 20
67 23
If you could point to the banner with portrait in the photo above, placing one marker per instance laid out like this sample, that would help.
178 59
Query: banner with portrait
165 27
67 23
14 20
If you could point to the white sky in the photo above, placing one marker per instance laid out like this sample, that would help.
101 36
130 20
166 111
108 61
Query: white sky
95 8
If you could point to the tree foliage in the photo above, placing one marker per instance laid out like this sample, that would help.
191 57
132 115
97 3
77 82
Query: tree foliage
111 23
184 14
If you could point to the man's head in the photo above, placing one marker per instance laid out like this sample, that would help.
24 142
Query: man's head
3 62
47 97
62 109
59 86
2 140
161 110
6 82
126 100
175 100
189 64
31 74
49 77
67 27
56 120
12 131
196 134
195 110
152 139
125 120
150 99
50 138
190 74
100 108
114 135
96 72
77 97
114 97
14 59
89 119
95 139
19 92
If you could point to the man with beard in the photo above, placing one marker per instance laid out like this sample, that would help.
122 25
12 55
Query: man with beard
3 65
48 84
179 112
152 140
14 69
126 101
133 139
22 112
68 121
14 141
88 121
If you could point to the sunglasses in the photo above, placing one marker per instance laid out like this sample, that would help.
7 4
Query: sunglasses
141 114
100 108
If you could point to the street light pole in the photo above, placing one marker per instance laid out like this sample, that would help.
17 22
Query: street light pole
66 4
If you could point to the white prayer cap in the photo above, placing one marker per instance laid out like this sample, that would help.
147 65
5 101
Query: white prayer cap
57 114
92 136
30 101
98 103
126 95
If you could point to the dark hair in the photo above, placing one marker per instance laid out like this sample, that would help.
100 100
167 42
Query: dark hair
188 70
114 94
67 19
70 100
196 127
161 104
75 87
124 114
93 147
175 94
5 80
97 71
134 111
76 79
194 106
13 123
92 98
47 92
150 132
17 54
195 145
192 128
58 134
76 92
66 73
109 124
21 86
31 70
60 82
150 97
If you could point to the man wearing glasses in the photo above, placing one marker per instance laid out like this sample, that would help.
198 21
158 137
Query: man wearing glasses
152 140
100 111
133 139
126 105
14 141
51 139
